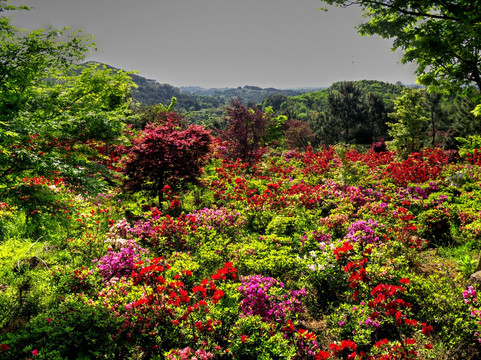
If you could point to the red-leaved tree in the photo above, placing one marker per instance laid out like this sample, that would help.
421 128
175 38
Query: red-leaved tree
298 134
246 132
166 153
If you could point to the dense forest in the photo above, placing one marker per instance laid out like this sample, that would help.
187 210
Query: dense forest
141 221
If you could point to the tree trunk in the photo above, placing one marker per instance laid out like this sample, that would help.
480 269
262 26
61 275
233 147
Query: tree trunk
432 122
160 189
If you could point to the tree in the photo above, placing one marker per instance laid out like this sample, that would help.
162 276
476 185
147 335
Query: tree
50 108
151 113
28 58
465 123
377 114
274 101
433 103
246 132
442 37
406 132
298 134
165 154
346 112
52 131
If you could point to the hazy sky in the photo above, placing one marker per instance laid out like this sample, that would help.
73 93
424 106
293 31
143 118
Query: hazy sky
226 43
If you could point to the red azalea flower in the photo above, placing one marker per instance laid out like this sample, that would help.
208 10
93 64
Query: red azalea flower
426 329
380 343
244 338
322 355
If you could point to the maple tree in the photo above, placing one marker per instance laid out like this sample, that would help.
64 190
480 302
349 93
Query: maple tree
246 131
166 153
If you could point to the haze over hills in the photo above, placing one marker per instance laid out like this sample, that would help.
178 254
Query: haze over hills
214 100
194 98
226 91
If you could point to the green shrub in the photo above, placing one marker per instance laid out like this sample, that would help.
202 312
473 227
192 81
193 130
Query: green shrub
254 339
282 225
76 329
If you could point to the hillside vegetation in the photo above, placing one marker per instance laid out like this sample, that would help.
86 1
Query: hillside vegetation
343 224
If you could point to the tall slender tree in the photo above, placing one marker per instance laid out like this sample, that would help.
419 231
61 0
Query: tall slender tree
345 111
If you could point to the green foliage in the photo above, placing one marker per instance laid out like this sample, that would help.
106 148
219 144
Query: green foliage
21 264
435 226
49 113
254 339
438 301
282 225
441 38
469 145
409 117
467 265
89 327
477 110
345 112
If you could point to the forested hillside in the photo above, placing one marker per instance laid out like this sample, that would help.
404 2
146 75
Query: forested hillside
248 94
149 92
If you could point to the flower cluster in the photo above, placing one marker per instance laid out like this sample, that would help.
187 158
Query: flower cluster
188 353
120 263
470 295
165 231
264 296
222 220
363 232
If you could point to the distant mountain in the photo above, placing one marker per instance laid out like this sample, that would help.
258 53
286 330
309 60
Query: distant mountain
248 94
202 91
316 100
197 99
150 92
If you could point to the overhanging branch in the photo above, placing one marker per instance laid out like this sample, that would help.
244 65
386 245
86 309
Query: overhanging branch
401 10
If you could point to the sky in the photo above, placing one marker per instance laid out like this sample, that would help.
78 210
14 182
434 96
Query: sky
226 43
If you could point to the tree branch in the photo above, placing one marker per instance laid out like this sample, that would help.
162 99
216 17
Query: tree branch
403 11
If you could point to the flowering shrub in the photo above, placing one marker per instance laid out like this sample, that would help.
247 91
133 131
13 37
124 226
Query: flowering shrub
435 225
222 220
330 257
89 326
363 232
165 232
265 296
120 263
470 296
251 336
187 353
169 311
